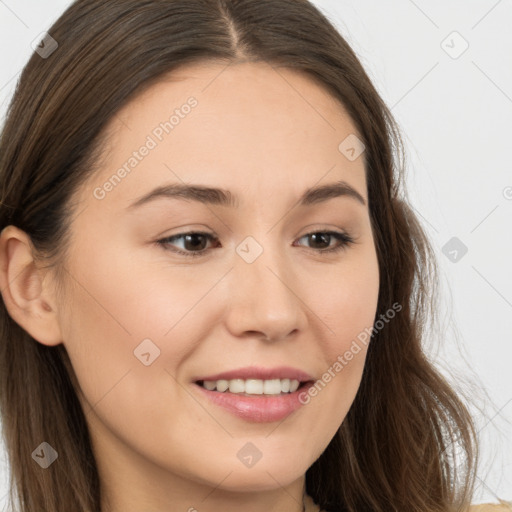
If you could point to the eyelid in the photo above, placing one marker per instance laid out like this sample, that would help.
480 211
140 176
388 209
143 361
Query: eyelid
164 242
343 237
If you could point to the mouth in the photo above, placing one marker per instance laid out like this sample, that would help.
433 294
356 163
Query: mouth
256 394
255 400
255 387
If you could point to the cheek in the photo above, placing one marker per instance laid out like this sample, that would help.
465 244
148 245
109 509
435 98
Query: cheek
347 310
118 313
349 304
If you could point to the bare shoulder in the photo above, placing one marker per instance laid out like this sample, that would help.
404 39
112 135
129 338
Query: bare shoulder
505 506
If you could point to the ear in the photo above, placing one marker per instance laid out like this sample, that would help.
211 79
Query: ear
26 297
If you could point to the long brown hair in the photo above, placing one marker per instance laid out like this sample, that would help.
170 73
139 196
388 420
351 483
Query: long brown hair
395 450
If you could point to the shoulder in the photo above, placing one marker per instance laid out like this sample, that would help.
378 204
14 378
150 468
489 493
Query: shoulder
505 506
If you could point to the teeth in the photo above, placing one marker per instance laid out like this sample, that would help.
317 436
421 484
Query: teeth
236 386
253 386
210 384
221 385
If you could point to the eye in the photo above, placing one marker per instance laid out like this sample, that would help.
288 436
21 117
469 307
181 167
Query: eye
325 237
194 242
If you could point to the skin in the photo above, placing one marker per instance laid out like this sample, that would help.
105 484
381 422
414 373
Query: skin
266 135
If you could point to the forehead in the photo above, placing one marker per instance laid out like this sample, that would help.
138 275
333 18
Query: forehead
247 126
239 88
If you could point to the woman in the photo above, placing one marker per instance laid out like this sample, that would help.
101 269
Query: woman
256 370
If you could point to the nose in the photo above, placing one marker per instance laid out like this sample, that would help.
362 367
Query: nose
266 299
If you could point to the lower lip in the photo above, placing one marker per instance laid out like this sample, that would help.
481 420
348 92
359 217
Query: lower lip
257 408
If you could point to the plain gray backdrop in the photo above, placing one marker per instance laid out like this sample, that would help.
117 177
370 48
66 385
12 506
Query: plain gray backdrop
445 70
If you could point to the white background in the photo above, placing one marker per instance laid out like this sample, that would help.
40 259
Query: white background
455 115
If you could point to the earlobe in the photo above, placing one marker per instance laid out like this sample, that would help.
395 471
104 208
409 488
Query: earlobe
27 299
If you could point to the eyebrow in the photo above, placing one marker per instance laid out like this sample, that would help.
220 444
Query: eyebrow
223 197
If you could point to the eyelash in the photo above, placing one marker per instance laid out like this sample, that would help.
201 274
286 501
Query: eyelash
344 238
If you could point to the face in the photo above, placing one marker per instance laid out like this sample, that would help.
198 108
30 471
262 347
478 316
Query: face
166 291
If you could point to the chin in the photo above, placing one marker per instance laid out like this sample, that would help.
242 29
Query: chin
266 478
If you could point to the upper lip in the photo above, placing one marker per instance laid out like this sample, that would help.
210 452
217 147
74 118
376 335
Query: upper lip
260 373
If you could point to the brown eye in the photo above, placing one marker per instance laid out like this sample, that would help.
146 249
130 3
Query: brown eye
324 238
194 243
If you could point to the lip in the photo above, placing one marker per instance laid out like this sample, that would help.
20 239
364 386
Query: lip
257 408
260 373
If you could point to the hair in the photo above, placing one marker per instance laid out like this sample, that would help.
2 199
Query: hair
399 447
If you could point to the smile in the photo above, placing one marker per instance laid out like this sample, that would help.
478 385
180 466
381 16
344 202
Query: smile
252 386
257 406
